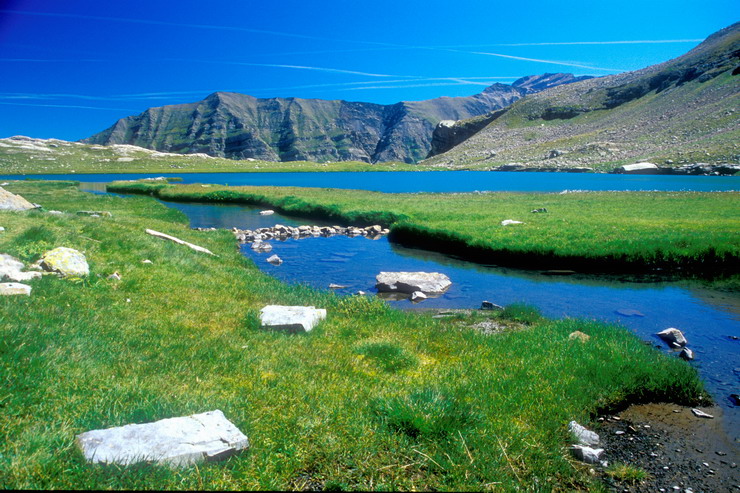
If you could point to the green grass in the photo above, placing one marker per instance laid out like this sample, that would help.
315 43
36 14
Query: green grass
687 233
372 399
627 473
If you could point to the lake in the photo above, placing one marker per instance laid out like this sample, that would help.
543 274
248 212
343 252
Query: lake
437 181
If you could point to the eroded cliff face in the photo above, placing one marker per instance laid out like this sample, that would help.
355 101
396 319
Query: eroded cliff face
238 126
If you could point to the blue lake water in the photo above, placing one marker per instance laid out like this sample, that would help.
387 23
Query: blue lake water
709 319
437 181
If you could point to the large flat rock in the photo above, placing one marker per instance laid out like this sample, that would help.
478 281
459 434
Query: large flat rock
410 282
175 441
66 261
14 289
291 318
12 202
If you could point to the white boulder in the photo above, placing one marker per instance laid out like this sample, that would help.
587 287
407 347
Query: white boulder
583 435
175 441
292 319
267 213
10 269
14 288
673 337
12 202
508 222
66 261
409 282
587 454
275 260
638 169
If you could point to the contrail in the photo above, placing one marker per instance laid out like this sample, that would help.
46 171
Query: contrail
553 62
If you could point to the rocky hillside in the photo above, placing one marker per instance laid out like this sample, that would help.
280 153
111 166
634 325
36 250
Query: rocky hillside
681 111
238 126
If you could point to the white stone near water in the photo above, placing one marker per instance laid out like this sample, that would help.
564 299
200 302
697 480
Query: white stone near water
409 282
65 261
701 414
12 202
508 222
267 213
673 337
638 169
179 241
175 441
274 260
14 289
291 318
10 269
418 296
583 435
587 454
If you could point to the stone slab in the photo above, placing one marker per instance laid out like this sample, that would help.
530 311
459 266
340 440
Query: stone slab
175 441
14 288
409 282
11 270
292 319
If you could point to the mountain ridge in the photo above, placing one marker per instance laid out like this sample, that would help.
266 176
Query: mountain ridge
238 126
679 111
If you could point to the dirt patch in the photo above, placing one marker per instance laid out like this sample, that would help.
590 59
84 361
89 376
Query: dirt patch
679 451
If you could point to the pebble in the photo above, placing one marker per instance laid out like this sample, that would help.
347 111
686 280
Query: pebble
720 453
665 468
619 432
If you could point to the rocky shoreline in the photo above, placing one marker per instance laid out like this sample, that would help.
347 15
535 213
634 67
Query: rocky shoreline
695 169
280 232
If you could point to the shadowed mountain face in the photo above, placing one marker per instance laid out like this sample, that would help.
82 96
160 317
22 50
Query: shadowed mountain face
238 126
681 111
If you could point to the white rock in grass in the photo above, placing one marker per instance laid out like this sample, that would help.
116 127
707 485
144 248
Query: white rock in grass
12 202
587 454
2 229
10 269
507 222
583 435
673 337
14 288
65 261
175 441
292 319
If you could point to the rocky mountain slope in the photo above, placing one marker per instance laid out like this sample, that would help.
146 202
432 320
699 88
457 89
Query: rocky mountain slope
681 111
238 126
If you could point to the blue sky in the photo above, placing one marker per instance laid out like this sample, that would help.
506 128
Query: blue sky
72 68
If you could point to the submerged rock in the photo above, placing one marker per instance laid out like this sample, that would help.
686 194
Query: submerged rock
175 441
274 260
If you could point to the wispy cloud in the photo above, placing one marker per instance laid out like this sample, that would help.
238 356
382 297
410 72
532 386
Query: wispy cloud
623 42
67 106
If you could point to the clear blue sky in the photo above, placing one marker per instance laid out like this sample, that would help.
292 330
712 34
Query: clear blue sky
69 69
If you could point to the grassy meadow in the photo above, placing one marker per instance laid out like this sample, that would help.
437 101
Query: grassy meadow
372 399
691 233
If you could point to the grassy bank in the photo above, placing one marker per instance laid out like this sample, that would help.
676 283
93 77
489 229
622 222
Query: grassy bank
372 399
687 233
